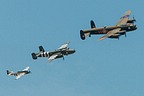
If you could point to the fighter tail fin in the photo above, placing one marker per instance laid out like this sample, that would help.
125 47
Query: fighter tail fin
9 72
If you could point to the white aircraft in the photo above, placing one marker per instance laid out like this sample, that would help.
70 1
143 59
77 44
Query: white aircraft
18 74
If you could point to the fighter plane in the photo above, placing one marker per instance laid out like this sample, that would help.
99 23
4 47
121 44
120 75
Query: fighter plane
58 53
18 74
123 26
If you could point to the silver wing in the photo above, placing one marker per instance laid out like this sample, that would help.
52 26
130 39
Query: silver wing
64 45
52 57
26 69
19 75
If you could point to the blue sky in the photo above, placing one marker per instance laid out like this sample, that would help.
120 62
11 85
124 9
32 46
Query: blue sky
98 68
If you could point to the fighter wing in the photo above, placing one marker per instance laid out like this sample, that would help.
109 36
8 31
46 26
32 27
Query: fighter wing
26 69
19 75
123 20
52 57
64 45
110 33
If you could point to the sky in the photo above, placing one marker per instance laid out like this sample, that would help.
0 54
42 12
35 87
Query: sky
98 68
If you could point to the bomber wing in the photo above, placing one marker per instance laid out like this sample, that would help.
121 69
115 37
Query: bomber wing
64 45
123 20
52 57
26 69
110 33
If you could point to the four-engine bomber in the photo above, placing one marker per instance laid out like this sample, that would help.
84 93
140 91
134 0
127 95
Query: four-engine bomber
123 26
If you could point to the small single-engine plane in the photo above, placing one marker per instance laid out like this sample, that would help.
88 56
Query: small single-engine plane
122 26
59 53
18 74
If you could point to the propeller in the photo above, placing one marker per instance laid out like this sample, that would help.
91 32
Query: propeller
125 34
63 54
63 58
90 35
134 19
105 27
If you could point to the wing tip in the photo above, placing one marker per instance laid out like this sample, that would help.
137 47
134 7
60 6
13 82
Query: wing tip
102 38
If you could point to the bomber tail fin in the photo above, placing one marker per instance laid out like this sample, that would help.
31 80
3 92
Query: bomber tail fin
34 56
41 49
92 24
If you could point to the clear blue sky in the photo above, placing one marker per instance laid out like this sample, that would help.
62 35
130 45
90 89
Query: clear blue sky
98 68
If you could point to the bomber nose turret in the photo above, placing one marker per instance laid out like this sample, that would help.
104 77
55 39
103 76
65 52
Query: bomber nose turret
134 27
72 51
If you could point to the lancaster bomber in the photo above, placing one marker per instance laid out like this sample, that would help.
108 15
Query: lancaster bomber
58 53
123 26
18 74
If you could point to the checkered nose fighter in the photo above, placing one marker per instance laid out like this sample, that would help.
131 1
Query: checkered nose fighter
123 26
19 74
62 51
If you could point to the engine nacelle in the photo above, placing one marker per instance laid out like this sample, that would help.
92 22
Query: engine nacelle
131 21
116 36
122 32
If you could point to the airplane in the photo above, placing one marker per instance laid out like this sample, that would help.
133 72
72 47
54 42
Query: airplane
18 74
123 26
58 53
